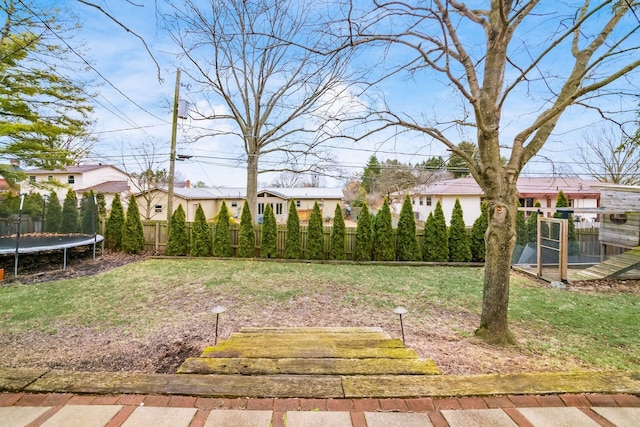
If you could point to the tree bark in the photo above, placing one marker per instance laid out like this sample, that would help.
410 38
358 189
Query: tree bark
500 241
252 185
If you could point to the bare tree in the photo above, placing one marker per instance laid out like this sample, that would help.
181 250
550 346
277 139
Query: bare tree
145 172
277 96
287 179
506 54
611 155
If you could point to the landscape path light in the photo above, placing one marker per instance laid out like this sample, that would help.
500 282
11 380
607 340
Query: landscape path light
400 311
217 310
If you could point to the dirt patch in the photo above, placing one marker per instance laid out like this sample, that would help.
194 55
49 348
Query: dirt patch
445 336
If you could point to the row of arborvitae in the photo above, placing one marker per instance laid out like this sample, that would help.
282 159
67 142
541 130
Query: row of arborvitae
375 239
124 233
57 218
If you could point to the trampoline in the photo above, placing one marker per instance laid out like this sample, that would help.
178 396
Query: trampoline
44 243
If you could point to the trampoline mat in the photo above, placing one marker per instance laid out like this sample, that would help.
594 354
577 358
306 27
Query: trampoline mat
28 244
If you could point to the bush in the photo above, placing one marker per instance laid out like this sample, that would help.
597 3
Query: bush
337 235
364 236
269 240
102 206
178 240
459 250
563 202
132 233
383 240
53 214
436 245
292 247
69 222
315 234
201 235
115 224
532 224
479 228
247 237
88 214
521 229
222 234
408 246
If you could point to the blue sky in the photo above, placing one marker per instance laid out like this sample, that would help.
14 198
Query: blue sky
145 112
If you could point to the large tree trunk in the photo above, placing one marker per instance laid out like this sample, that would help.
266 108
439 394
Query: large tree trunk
500 238
252 185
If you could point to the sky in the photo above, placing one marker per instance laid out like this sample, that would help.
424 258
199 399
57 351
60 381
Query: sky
133 106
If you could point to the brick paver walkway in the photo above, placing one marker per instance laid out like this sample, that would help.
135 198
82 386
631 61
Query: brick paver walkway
55 409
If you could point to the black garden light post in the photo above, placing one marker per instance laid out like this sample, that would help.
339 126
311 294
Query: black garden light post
400 311
217 310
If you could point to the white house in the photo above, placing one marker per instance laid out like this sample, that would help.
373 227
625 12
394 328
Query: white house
81 179
581 193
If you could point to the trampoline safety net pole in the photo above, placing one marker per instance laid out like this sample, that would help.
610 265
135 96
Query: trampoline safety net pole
64 264
15 267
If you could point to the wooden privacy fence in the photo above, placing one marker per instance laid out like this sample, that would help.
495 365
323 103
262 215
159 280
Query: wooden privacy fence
155 236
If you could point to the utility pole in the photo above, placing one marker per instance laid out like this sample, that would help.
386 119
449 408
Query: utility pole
172 160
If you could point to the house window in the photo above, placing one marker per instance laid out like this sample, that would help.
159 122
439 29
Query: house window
32 178
413 201
71 179
260 208
297 203
234 204
428 200
570 203
278 208
421 201
50 178
158 208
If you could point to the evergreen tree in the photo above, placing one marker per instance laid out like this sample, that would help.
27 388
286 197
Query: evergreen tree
269 240
364 236
247 238
315 234
563 202
44 113
88 213
132 231
102 206
459 250
337 235
292 246
53 214
201 244
371 174
427 240
383 240
476 242
435 237
408 246
69 222
532 224
222 235
115 225
178 240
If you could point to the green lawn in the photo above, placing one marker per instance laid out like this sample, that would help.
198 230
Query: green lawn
601 330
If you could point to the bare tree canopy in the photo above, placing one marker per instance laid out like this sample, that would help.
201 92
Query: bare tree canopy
275 97
611 155
534 58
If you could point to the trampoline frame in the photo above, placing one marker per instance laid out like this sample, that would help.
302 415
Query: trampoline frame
17 250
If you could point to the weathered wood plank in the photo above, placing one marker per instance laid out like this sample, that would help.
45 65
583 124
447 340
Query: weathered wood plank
491 384
192 385
305 341
306 330
308 366
308 352
16 379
